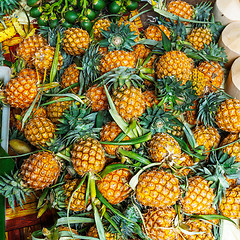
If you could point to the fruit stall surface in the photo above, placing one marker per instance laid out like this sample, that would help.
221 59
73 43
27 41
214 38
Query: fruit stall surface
120 119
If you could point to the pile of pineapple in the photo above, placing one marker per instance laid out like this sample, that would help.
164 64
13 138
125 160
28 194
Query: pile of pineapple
127 134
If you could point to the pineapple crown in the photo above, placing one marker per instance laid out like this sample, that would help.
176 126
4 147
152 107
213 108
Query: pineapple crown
219 167
118 37
208 106
120 77
8 6
75 123
174 95
202 13
157 120
12 188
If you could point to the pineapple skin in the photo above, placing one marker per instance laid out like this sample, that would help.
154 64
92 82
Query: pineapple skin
99 25
199 197
230 205
87 155
39 131
175 63
228 115
92 232
157 189
108 133
75 41
114 186
40 170
154 32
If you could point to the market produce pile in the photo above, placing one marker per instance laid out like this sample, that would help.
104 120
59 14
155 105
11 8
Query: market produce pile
127 132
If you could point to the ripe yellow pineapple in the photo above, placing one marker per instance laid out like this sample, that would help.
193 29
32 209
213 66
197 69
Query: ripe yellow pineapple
207 137
40 170
75 41
185 161
69 77
109 236
157 188
97 97
228 115
181 9
28 47
21 91
56 109
87 155
115 185
108 133
141 51
199 37
129 102
99 25
154 32
233 149
78 198
158 223
199 81
43 59
175 63
230 205
214 74
39 131
199 196
150 98
117 58
31 73
164 148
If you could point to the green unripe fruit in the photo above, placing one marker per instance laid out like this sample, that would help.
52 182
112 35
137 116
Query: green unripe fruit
71 16
99 4
33 3
91 15
131 5
36 12
114 7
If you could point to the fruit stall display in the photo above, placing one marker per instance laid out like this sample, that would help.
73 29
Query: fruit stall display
120 126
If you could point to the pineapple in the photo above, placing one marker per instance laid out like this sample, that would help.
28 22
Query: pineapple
199 37
200 82
199 196
31 73
190 116
108 133
207 137
28 47
97 97
163 148
154 32
228 114
141 51
109 236
75 41
157 188
214 74
158 223
133 27
150 98
21 91
69 77
175 63
230 205
87 155
181 9
40 170
39 131
114 186
56 109
185 161
78 196
100 24
233 149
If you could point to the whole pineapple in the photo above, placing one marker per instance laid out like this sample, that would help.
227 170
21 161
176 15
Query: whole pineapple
40 170
228 115
108 133
39 131
28 47
43 59
163 148
157 188
230 205
97 97
75 41
115 185
233 149
78 198
199 196
87 155
153 32
69 77
158 223
174 63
